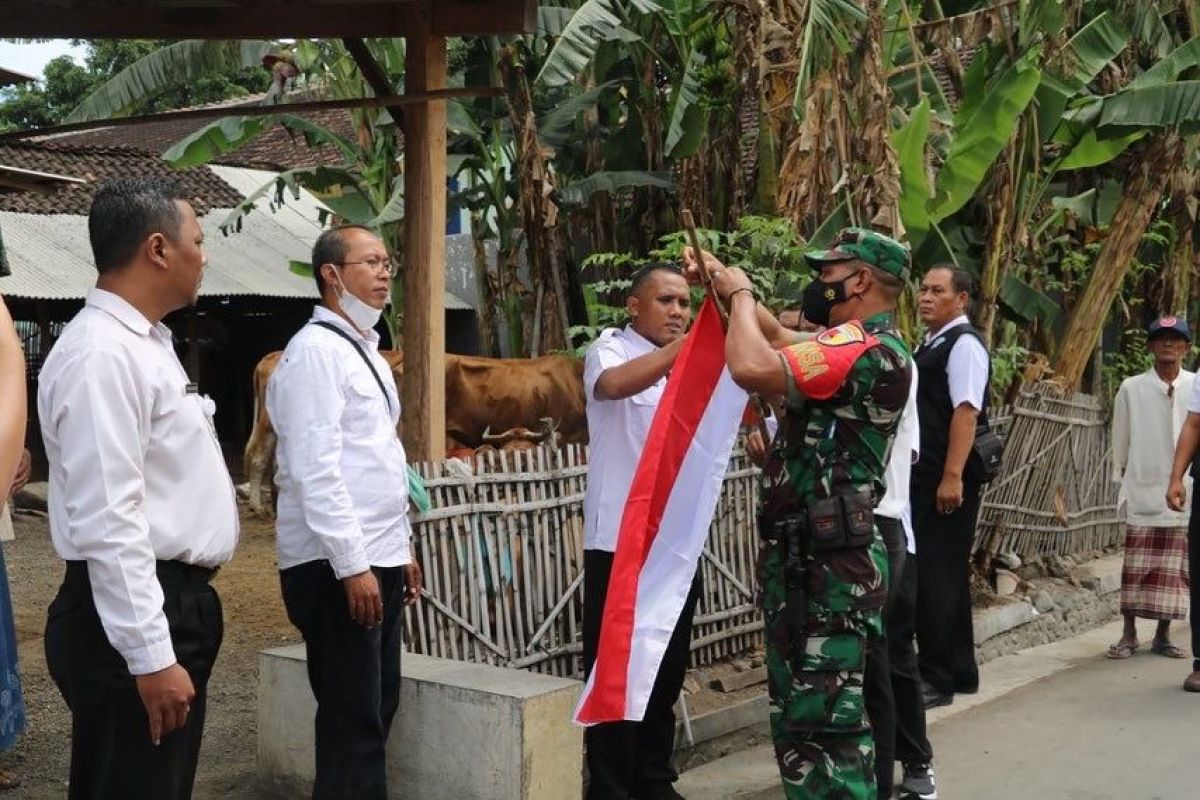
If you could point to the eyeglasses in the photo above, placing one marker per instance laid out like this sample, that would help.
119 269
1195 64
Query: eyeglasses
376 264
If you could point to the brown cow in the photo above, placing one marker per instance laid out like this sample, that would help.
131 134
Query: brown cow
482 395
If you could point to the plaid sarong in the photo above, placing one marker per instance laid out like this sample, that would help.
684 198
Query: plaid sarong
1154 579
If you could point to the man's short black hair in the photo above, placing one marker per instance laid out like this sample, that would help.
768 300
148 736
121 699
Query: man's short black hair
330 248
646 270
125 212
960 280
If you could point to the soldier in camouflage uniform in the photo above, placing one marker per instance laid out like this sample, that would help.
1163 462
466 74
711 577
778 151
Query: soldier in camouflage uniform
845 390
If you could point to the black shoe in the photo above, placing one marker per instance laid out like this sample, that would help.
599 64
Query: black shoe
933 698
918 783
973 689
663 791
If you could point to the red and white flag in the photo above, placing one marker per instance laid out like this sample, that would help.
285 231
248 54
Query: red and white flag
664 525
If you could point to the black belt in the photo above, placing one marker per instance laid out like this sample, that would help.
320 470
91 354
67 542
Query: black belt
170 573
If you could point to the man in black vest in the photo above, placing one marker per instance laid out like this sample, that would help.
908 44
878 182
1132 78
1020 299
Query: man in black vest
954 372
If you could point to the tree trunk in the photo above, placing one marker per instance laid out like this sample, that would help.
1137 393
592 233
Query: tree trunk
1162 156
483 289
1000 211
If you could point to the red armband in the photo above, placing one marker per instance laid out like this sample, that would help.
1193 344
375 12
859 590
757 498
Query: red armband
820 366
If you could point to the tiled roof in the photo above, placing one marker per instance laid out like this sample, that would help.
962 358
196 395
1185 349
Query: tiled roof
277 149
94 164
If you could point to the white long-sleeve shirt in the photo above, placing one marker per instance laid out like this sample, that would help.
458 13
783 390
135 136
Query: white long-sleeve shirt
617 432
1147 419
136 472
340 467
907 445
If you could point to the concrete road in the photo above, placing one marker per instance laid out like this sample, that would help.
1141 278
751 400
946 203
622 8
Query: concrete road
1058 722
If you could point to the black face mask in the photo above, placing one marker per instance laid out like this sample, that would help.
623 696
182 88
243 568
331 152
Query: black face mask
820 298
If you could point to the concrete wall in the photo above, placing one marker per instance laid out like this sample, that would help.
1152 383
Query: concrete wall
464 731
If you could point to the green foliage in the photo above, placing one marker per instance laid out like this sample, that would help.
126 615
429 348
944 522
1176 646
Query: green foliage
65 84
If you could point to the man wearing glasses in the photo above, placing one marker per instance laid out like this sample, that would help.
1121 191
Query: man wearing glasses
343 531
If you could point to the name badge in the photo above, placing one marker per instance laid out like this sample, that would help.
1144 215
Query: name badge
192 388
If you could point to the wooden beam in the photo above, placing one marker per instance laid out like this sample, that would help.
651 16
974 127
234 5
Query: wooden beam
307 106
375 77
264 19
424 274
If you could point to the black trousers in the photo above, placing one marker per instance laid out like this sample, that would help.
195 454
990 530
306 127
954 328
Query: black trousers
945 635
877 681
912 743
1194 572
111 752
355 677
632 760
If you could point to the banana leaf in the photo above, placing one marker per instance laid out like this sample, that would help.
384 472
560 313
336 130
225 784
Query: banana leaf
1172 105
557 126
979 139
579 191
230 133
164 69
1088 51
1026 303
909 141
593 23
688 118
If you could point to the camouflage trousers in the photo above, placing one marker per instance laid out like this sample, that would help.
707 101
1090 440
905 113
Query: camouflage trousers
819 724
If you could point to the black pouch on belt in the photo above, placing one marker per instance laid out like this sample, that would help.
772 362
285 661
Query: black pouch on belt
841 521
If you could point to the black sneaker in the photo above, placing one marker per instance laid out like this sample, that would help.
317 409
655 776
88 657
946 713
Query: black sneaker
918 783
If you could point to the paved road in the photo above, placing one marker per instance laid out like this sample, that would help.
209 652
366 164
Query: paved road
1058 722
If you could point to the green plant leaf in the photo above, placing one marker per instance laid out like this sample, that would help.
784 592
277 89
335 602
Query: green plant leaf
909 141
979 139
1172 105
1170 67
1092 152
215 139
1088 52
301 268
688 119
557 126
579 191
1026 303
164 69
593 23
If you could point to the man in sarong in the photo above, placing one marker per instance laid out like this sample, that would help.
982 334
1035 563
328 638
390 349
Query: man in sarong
1148 416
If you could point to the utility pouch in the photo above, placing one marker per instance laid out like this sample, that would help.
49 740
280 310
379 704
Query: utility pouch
843 521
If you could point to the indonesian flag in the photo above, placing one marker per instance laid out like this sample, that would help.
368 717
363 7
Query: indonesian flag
671 502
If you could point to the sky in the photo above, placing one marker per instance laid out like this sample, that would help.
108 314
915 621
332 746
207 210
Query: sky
31 58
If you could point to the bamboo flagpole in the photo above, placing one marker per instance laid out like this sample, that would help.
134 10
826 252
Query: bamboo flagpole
689 227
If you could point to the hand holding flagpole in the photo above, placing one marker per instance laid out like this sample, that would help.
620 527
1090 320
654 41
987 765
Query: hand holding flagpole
689 226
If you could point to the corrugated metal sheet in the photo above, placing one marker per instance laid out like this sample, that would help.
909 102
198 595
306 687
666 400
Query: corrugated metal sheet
51 257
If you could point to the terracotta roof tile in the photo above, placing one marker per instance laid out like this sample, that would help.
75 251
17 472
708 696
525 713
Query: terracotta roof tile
202 186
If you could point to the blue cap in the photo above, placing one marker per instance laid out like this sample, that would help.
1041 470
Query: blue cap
1169 325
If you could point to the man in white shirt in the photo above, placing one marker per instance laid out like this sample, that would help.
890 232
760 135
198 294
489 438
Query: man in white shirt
141 506
954 369
343 533
624 374
1154 579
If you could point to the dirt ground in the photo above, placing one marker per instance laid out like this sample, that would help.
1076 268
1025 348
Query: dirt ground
254 619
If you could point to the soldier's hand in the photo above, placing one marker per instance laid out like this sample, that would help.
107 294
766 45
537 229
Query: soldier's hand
364 599
949 494
1176 495
756 448
167 696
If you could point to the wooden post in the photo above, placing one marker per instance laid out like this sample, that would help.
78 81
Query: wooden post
424 275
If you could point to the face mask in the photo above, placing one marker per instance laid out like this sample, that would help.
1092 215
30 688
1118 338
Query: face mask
820 298
361 315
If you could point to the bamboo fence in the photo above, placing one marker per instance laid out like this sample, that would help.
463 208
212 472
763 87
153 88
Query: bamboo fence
1054 495
502 554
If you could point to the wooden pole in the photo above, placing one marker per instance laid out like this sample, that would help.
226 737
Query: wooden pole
424 331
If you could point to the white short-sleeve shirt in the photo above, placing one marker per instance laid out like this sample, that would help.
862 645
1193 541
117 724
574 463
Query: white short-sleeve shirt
617 430
967 366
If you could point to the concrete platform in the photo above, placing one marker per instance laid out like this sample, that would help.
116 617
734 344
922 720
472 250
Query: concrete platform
464 731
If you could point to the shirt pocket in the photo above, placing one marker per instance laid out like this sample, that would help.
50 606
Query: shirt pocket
1144 498
365 408
650 396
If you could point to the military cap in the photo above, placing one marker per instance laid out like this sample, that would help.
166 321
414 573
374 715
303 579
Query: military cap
874 248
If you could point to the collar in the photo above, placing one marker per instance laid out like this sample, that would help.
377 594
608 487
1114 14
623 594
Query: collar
323 314
961 319
883 321
123 312
1154 378
637 343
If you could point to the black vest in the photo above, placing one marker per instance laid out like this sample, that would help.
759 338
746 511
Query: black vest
934 407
